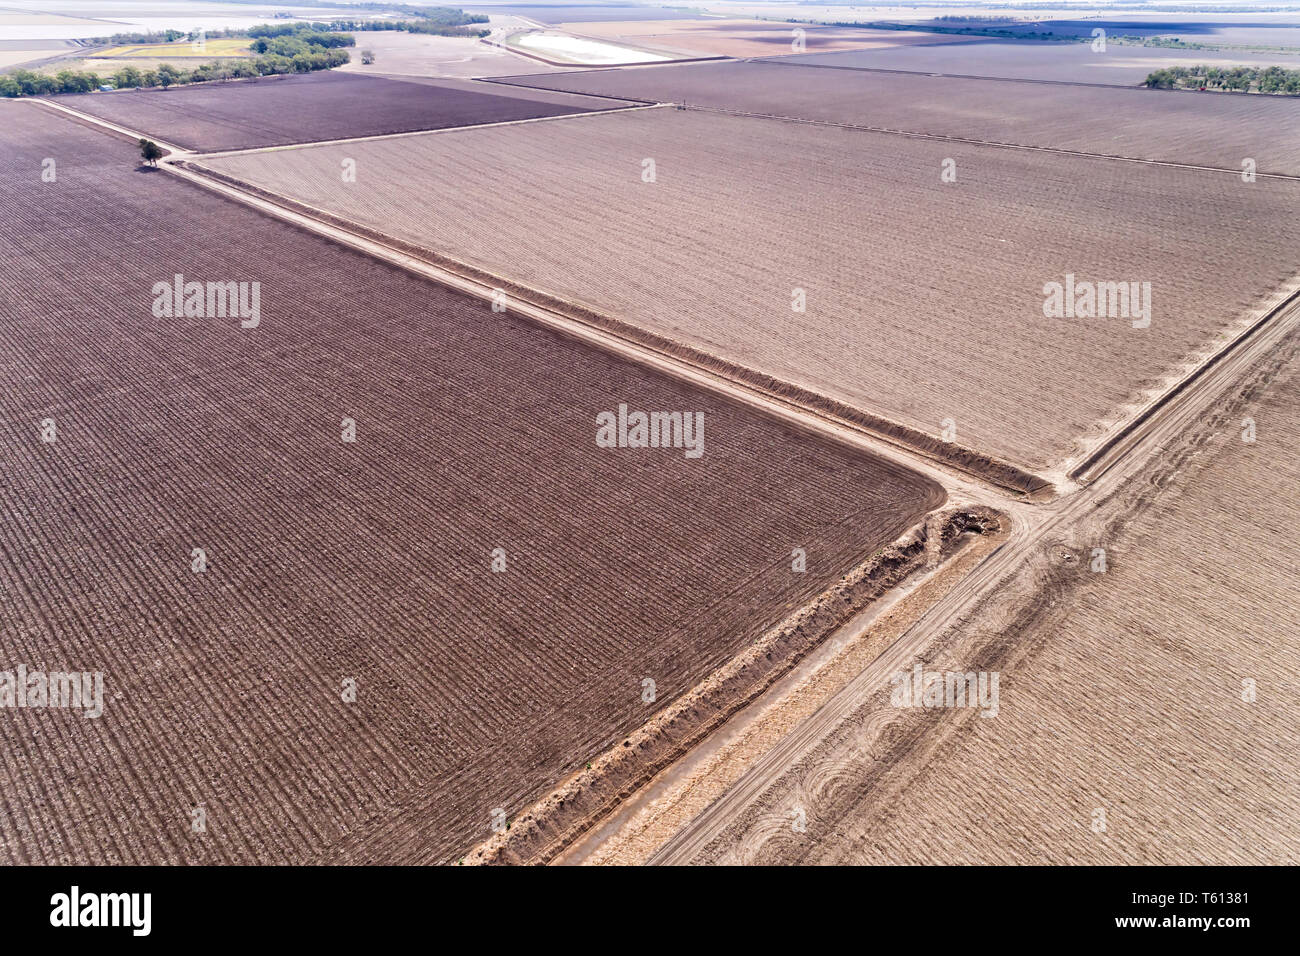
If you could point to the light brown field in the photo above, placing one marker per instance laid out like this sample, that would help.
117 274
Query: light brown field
409 54
107 67
716 37
1139 123
1056 62
14 19
924 300
10 58
1126 696
183 49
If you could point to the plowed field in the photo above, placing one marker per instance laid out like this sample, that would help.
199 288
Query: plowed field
1056 62
330 561
273 111
421 54
923 300
1140 124
725 37
1147 712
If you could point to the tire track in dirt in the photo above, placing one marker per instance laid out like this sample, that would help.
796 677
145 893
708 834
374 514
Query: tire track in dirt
1127 467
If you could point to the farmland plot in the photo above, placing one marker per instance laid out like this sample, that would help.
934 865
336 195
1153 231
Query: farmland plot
1147 712
1057 62
727 37
185 516
1265 31
421 54
581 12
923 301
562 48
313 107
1140 124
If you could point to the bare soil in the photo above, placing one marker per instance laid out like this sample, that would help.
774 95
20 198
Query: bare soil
722 37
273 111
923 300
1056 62
1163 125
330 560
1147 712
415 54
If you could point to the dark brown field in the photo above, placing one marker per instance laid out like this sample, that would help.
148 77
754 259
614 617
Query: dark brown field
331 561
274 111
1209 130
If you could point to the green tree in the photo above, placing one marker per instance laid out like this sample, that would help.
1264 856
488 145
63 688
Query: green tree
150 151
168 74
127 78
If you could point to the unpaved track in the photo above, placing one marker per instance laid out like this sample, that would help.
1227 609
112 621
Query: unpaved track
1122 685
650 816
1021 216
1124 463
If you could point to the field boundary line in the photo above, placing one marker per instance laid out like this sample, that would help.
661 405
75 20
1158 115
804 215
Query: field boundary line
791 403
218 154
948 474
1095 462
948 138
783 60
919 134
579 803
505 81
796 402
1151 452
84 118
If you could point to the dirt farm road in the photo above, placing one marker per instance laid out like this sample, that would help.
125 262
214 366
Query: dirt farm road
1124 463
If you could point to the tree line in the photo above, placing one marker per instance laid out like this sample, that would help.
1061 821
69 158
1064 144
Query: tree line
302 43
298 47
1242 79
28 83
446 20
